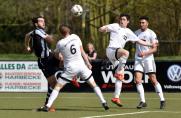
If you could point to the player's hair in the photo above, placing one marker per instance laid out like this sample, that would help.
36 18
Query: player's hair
35 19
125 15
144 18
64 29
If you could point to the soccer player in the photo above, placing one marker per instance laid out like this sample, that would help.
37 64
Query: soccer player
119 35
46 60
75 63
144 62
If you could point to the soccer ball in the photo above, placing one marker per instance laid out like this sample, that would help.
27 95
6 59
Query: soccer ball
77 10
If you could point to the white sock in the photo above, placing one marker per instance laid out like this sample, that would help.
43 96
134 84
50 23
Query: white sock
141 92
122 62
52 98
158 89
98 92
118 88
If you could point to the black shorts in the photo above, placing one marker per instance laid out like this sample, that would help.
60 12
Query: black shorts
49 65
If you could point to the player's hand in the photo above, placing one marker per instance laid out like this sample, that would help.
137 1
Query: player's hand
141 54
154 45
89 66
103 29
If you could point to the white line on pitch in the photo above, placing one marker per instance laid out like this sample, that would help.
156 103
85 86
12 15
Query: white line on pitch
111 115
132 113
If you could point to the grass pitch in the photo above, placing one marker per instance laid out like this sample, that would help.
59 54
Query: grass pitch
86 105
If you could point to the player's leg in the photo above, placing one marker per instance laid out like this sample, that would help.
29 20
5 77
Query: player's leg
118 84
140 89
53 96
138 74
121 55
61 82
48 71
86 75
150 69
98 92
55 92
158 89
51 84
118 87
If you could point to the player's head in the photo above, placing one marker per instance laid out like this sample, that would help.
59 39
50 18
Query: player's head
64 30
124 20
144 22
39 22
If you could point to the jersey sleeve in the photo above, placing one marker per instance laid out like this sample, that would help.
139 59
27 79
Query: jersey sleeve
131 36
79 41
111 27
154 37
40 33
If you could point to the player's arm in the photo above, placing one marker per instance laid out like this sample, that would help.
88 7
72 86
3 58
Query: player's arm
103 29
85 58
57 54
49 38
108 28
132 37
141 42
27 42
152 50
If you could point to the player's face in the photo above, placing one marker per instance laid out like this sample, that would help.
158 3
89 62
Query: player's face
41 23
124 22
143 24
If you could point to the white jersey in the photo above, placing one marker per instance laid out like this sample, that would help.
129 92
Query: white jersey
119 36
149 36
69 47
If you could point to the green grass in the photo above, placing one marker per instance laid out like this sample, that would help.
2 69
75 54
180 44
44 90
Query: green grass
77 105
17 57
28 56
168 58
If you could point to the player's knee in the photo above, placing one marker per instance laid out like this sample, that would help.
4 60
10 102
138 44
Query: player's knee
58 86
91 82
51 81
126 53
138 81
138 78
153 79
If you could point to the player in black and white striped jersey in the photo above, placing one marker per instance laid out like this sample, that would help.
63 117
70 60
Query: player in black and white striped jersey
47 62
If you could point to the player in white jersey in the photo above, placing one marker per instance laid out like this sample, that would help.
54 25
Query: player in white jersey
75 63
119 36
144 62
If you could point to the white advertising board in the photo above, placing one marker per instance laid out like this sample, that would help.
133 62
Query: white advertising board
21 76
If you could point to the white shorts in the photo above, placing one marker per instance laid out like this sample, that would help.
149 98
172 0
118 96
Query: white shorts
111 54
67 75
146 66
